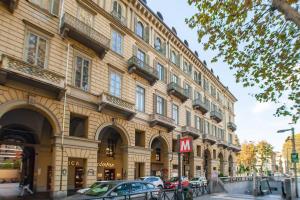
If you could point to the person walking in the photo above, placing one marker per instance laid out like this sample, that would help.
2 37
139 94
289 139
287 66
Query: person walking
25 186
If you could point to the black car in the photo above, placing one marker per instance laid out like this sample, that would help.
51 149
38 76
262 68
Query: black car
119 190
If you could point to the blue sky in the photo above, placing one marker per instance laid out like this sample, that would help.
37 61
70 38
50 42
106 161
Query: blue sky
255 120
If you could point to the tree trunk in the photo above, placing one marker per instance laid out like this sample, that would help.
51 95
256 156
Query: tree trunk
287 10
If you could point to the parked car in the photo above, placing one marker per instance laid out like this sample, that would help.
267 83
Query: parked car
173 182
119 190
198 181
83 190
154 180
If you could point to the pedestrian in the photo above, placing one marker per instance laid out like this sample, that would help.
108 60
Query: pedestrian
25 186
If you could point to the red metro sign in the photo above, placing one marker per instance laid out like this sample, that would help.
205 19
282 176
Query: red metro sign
186 145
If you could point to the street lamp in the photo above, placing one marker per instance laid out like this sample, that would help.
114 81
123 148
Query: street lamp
294 152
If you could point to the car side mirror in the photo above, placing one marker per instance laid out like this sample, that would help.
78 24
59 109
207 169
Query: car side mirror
113 194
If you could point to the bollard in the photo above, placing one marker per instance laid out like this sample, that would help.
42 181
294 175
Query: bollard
288 188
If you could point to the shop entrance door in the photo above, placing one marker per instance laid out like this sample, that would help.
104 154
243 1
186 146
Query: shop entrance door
109 174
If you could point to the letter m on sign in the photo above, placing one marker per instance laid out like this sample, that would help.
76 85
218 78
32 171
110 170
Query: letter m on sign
186 145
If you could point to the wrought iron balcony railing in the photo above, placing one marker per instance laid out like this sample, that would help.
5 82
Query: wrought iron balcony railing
122 107
198 104
142 69
231 126
119 17
177 91
216 115
18 70
163 121
85 34
190 131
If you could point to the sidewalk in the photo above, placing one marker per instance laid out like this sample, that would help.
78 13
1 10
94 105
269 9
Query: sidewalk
224 196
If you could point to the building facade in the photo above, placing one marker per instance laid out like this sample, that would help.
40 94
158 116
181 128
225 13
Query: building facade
100 89
287 150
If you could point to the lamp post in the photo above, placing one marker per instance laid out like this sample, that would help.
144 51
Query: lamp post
294 152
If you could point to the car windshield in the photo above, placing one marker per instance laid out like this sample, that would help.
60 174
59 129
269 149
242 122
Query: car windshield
100 189
94 184
195 179
174 179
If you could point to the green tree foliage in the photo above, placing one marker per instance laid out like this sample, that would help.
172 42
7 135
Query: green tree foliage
260 41
264 152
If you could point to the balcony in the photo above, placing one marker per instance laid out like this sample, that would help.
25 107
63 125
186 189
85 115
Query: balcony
119 17
25 73
209 138
198 104
190 131
222 143
216 115
11 4
177 91
163 121
231 126
234 147
110 103
85 34
142 69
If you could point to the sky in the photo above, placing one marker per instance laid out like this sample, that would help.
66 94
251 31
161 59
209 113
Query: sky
255 121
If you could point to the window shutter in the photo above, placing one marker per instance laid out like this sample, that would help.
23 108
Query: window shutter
164 46
165 107
154 103
134 50
146 36
155 64
147 59
165 74
154 39
55 7
135 23
179 81
178 60
191 93
195 121
170 77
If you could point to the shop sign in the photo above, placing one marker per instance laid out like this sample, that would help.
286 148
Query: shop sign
294 157
186 145
73 163
105 164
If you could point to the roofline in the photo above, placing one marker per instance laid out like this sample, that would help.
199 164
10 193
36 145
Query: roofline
155 15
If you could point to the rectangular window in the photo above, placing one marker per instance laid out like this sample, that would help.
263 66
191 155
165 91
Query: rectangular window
188 90
175 79
175 113
115 84
198 150
82 66
78 125
51 5
159 105
139 138
197 122
161 72
36 49
140 99
141 55
117 42
174 146
198 95
188 118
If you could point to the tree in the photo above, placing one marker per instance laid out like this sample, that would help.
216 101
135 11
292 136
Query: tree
260 41
247 157
264 152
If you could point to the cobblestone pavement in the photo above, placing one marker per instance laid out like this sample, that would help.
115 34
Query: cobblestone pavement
223 196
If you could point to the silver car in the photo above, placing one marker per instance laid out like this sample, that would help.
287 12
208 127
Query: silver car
117 190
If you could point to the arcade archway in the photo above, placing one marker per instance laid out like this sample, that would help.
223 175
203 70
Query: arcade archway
230 165
207 164
159 157
112 158
221 163
31 131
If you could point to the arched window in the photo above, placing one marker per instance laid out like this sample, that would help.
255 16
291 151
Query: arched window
140 29
173 56
157 44
117 9
157 154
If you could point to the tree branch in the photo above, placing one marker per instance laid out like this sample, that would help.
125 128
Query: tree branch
287 10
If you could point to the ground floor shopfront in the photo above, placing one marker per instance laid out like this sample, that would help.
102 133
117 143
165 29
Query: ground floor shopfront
94 145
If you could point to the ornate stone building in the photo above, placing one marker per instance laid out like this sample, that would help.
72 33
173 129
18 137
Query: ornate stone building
100 89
